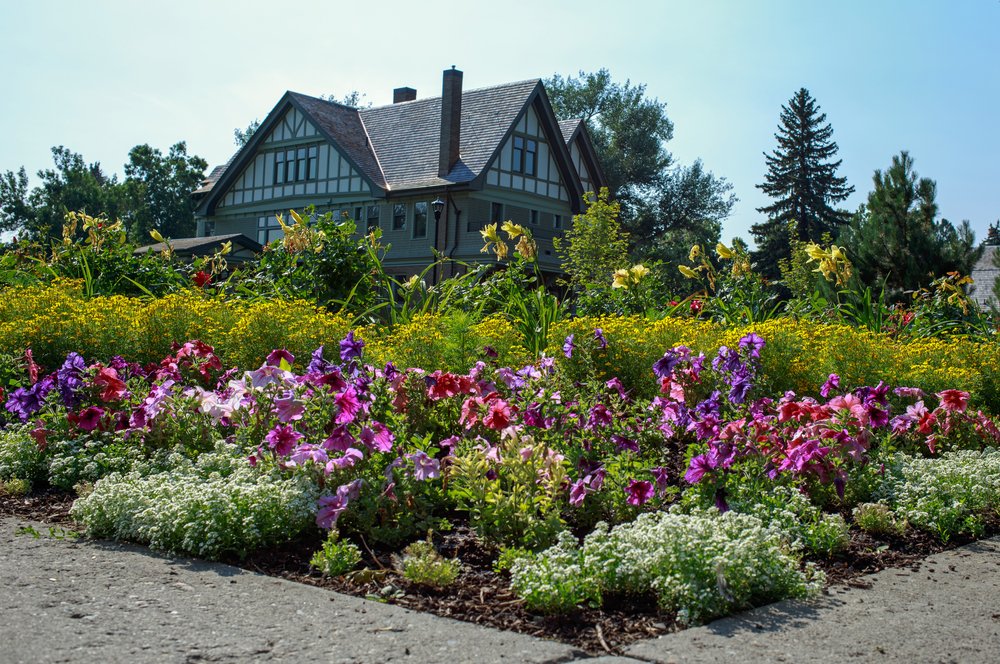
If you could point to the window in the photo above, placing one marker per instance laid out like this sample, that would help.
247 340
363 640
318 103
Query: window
525 156
530 157
399 216
373 212
359 214
496 213
420 220
296 165
533 217
557 221
268 229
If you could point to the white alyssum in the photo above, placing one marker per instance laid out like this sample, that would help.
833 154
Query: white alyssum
699 565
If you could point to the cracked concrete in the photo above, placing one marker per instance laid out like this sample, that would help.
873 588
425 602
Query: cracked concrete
71 601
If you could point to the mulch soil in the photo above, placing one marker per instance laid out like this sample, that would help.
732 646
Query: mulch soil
482 596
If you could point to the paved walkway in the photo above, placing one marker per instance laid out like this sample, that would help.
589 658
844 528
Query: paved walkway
72 601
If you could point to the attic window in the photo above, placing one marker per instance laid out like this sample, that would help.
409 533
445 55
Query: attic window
296 165
525 156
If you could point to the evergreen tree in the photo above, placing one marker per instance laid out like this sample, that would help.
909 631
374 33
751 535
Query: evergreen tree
896 236
802 180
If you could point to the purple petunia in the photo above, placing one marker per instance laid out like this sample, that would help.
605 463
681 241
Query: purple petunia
318 365
70 379
754 343
350 347
697 468
568 347
602 343
277 356
424 467
282 439
832 383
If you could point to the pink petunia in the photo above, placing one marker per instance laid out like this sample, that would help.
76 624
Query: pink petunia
639 492
954 400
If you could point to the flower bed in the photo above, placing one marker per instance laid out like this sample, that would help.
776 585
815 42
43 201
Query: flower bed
697 485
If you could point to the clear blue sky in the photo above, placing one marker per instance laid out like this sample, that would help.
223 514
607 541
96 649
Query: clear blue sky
101 77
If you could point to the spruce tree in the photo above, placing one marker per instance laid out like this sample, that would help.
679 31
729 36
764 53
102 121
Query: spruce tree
802 180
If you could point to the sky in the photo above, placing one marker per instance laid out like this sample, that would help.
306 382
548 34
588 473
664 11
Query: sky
100 77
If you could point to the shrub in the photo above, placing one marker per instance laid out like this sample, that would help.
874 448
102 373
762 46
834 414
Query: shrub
878 519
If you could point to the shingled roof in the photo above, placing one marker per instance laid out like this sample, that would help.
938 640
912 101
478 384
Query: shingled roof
396 147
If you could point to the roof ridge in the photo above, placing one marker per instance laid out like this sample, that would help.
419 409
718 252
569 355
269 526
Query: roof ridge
464 92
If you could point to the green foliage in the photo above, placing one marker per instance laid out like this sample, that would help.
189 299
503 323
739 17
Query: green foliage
801 180
595 246
897 238
700 565
89 457
878 519
319 259
337 557
514 503
424 566
20 457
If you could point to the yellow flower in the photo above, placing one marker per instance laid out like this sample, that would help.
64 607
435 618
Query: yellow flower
723 251
621 279
695 252
512 229
687 272
489 234
638 272
815 252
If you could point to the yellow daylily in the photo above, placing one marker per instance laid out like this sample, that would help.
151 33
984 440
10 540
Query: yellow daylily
638 272
526 247
620 279
694 253
687 272
513 230
155 234
815 252
490 234
723 251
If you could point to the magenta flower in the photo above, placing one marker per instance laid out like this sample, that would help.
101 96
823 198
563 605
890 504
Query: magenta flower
377 437
832 383
660 477
282 439
696 470
330 509
88 418
277 356
909 392
639 492
350 457
600 416
340 439
577 492
349 405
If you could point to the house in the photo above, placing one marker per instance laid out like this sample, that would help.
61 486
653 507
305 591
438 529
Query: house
985 274
483 156
242 248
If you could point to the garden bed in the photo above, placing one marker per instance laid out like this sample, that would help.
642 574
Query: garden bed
483 597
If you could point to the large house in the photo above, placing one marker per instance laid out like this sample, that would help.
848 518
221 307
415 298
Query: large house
430 173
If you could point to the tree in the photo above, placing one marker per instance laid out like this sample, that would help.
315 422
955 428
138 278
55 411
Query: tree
73 185
896 236
158 190
659 201
628 129
802 180
595 246
242 136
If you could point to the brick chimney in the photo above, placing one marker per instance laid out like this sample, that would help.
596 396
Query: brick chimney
403 94
451 120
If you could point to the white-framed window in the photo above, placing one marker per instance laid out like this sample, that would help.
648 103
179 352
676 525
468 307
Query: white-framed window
372 217
533 217
525 156
296 164
268 229
557 221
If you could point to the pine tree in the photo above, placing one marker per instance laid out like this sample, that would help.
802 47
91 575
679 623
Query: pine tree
897 239
802 180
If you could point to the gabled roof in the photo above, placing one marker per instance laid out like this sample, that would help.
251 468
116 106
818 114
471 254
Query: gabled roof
407 136
396 147
576 130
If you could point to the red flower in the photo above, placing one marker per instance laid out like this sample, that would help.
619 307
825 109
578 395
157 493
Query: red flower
112 387
201 279
696 306
955 400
